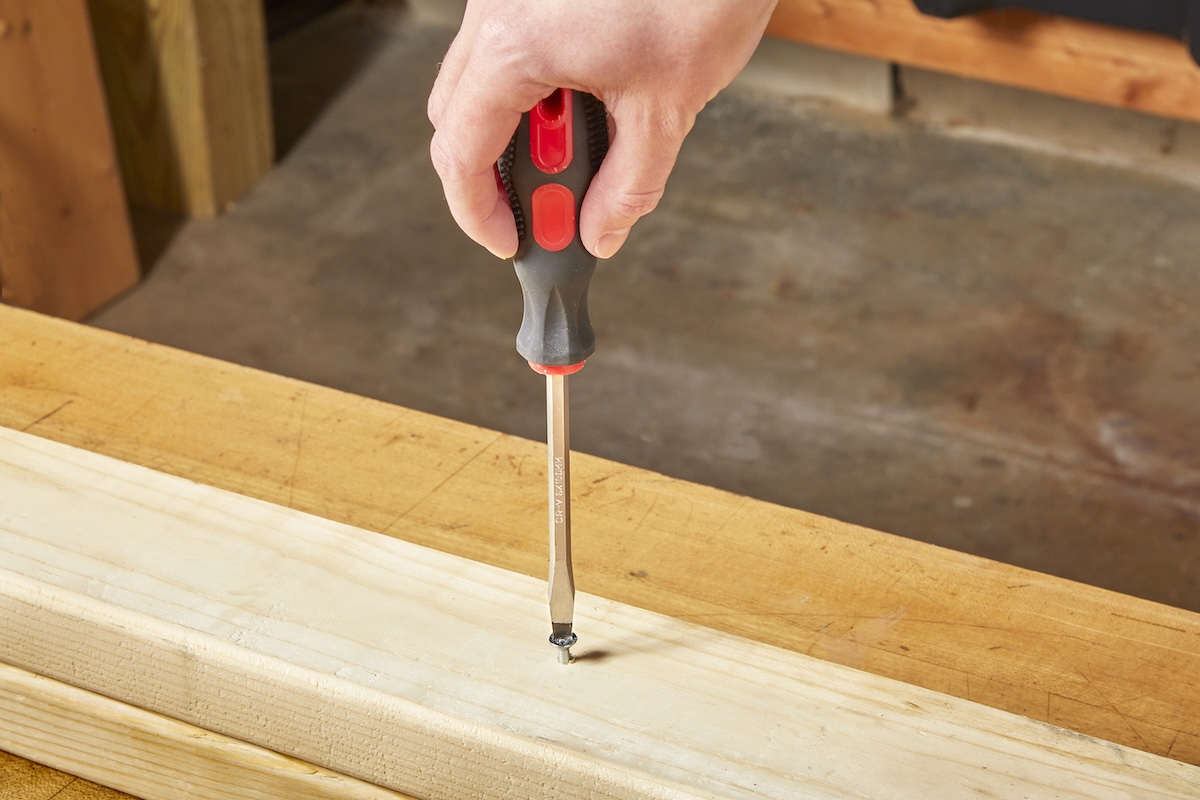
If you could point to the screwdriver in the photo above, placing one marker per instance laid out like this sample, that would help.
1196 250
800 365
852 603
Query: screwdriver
546 170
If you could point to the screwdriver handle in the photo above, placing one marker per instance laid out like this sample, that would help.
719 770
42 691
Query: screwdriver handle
546 172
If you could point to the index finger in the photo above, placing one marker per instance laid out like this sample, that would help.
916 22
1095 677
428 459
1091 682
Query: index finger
476 123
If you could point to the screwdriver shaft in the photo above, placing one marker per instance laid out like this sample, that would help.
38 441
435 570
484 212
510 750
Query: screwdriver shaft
562 579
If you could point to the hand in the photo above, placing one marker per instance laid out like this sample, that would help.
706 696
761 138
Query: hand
654 63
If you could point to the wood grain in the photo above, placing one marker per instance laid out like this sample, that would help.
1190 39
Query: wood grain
429 674
187 84
143 753
1059 55
65 243
25 780
1093 661
232 36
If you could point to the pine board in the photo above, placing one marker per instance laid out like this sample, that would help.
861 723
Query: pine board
1096 662
145 754
428 674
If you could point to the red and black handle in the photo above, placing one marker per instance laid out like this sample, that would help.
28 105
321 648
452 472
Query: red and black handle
546 171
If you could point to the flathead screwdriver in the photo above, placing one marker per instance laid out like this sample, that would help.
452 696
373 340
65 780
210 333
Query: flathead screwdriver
546 171
562 576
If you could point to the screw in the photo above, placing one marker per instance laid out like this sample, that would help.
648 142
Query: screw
563 644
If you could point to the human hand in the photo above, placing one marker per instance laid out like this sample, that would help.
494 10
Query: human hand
654 64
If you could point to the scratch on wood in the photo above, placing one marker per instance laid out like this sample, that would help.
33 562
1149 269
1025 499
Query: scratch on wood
62 789
432 491
46 416
1155 624
1144 745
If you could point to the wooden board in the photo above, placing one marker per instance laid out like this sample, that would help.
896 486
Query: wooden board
187 85
429 674
65 243
1099 663
25 780
1059 55
148 754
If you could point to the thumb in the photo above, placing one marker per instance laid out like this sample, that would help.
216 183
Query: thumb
631 180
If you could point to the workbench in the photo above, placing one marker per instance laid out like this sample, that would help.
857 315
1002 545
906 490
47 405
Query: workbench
1095 662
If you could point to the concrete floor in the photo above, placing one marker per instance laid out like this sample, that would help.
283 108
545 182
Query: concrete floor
991 350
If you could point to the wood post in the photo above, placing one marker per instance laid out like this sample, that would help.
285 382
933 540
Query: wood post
187 85
65 243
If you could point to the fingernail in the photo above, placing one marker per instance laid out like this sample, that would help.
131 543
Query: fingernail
508 250
610 243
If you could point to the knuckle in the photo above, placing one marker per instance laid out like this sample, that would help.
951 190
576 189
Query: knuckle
503 40
434 107
447 162
506 22
636 204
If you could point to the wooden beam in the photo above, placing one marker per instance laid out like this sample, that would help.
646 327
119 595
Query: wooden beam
65 243
187 85
1073 58
428 674
1096 662
149 755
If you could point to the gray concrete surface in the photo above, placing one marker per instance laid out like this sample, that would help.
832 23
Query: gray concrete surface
988 349
963 108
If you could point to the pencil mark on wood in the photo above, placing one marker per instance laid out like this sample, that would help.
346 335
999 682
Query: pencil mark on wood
291 484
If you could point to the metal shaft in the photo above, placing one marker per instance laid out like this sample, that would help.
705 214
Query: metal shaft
562 580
